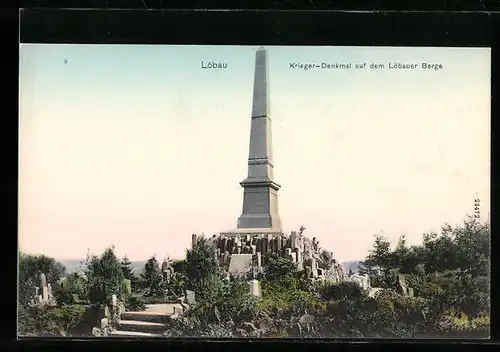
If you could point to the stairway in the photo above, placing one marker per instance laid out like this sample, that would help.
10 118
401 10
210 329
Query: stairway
149 323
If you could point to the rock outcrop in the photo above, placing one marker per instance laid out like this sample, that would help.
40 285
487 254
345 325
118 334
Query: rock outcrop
247 253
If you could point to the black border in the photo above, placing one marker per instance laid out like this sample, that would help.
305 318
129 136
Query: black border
386 28
350 5
255 27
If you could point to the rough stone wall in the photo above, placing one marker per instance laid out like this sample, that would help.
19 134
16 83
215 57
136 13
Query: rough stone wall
299 248
43 293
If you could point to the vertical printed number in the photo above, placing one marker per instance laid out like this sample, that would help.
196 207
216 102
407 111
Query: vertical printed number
477 204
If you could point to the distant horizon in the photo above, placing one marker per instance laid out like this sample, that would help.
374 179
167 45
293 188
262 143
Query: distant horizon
73 265
81 261
119 256
138 146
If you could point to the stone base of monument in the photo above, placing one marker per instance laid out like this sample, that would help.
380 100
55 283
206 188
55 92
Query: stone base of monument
253 232
246 251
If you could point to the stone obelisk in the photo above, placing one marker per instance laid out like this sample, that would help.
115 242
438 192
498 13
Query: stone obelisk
260 197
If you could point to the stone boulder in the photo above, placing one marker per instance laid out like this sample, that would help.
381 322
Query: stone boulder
190 297
250 329
306 322
264 322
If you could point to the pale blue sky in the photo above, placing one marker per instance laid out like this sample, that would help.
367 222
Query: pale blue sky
138 147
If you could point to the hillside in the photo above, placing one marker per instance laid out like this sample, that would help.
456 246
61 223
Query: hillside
352 264
73 265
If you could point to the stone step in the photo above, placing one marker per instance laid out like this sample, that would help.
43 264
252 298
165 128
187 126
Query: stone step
122 333
154 317
142 326
167 308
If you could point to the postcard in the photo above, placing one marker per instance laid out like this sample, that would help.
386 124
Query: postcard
254 192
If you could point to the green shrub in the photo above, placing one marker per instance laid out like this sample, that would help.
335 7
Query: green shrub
279 267
185 326
135 303
234 303
30 267
405 315
335 291
105 278
191 327
283 298
457 324
48 320
481 324
73 290
388 315
204 313
128 273
276 295
202 271
151 279
302 302
345 317
237 303
463 294
174 287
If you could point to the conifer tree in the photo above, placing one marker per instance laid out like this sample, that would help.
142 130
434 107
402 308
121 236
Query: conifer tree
151 278
128 272
105 277
202 270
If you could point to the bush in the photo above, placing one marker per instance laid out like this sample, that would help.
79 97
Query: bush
283 298
191 327
204 313
179 266
151 279
388 315
73 290
405 315
202 271
128 273
473 296
183 327
48 320
135 303
30 268
424 286
234 303
444 293
174 287
457 324
346 317
277 295
336 291
481 325
216 331
209 289
279 267
302 302
105 278
237 303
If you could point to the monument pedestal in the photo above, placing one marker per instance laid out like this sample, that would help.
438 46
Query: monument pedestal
252 232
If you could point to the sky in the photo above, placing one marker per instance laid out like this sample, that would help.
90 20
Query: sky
138 147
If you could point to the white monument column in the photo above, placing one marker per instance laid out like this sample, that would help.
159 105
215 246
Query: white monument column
260 197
